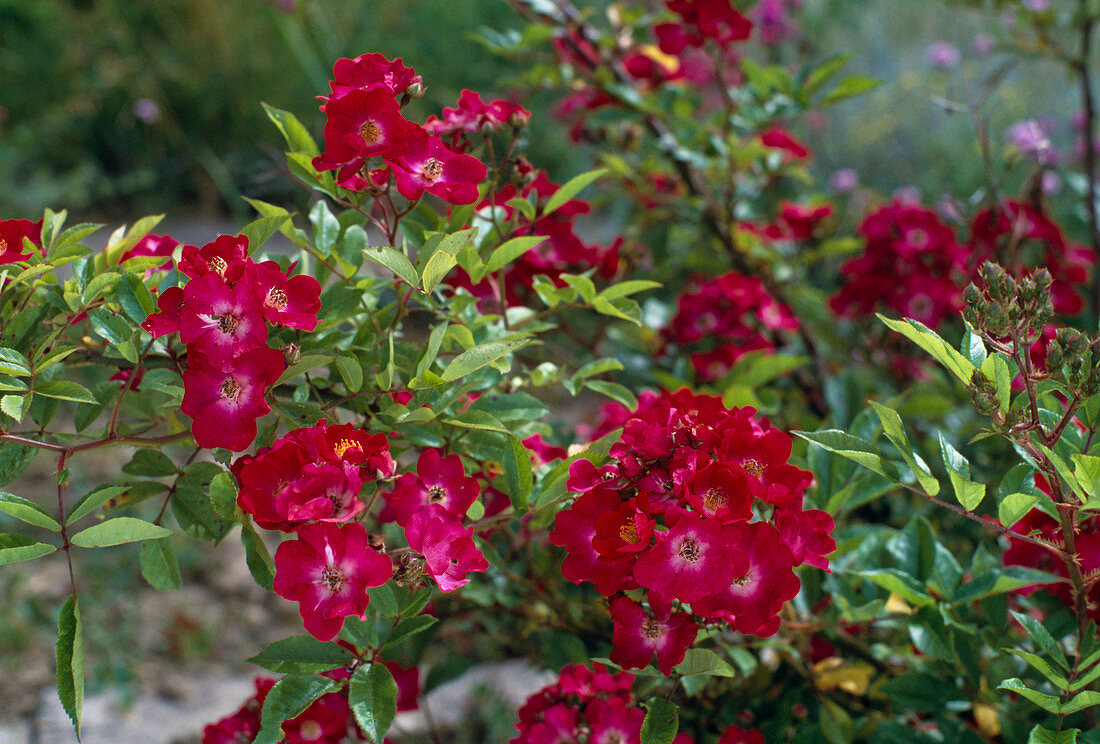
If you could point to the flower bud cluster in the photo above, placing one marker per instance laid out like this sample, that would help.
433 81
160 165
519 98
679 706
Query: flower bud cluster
364 122
1008 307
727 317
698 508
221 314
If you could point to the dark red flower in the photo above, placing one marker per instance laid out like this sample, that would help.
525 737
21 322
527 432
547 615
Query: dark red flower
696 557
160 246
639 636
328 570
291 301
427 165
369 70
224 397
448 548
12 233
735 735
363 124
438 480
225 256
170 303
778 138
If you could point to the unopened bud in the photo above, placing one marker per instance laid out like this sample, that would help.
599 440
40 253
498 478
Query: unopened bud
291 353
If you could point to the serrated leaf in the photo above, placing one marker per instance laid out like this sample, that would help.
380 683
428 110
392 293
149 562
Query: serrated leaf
481 356
624 289
16 406
223 496
704 661
70 661
1001 581
509 251
849 87
518 475
159 565
931 342
968 493
395 261
901 584
1040 664
351 372
1046 702
895 432
301 655
661 722
570 189
151 464
118 531
92 500
27 511
615 391
297 136
1042 638
14 363
16 548
288 699
373 699
65 390
409 627
1040 735
853 448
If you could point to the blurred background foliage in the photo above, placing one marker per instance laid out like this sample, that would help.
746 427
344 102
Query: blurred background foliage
115 108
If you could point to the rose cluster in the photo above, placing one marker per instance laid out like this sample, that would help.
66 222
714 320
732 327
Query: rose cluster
327 720
925 264
365 123
562 252
727 317
697 509
221 314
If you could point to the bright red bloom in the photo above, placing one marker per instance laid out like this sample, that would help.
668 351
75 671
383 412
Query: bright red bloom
778 138
702 20
735 735
223 321
623 532
408 685
170 303
291 301
438 480
574 529
239 728
474 115
427 165
363 124
611 722
328 570
762 451
12 233
266 483
696 557
800 221
638 636
369 70
807 535
448 548
342 443
720 491
225 256
224 397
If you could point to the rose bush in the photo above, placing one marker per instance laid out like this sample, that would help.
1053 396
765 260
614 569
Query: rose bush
770 559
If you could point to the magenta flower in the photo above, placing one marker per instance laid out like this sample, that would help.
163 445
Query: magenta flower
170 303
160 246
368 70
291 301
225 256
438 480
223 321
225 397
12 233
448 548
694 558
328 570
638 636
429 166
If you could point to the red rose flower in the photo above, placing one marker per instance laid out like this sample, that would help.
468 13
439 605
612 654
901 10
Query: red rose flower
638 636
427 165
223 321
12 233
291 301
448 548
224 397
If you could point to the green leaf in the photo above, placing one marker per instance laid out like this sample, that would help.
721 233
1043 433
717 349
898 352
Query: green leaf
477 420
16 548
704 661
297 136
849 87
615 391
825 72
902 584
518 475
150 463
14 459
895 432
1042 639
117 532
853 448
996 369
481 356
122 240
1001 581
373 699
571 188
13 363
383 600
968 493
92 500
223 496
1013 506
509 251
436 268
1040 735
70 661
257 556
301 655
409 627
16 406
1046 702
598 367
1040 664
351 372
1086 469
395 261
159 565
288 699
27 511
326 228
259 231
624 289
65 390
931 342
661 723
1080 701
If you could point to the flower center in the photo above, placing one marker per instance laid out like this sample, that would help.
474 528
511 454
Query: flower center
689 551
628 532
3 245
614 738
217 264
753 467
651 629
343 446
740 580
433 169
310 730
370 132
714 499
276 298
436 495
228 324
332 578
231 389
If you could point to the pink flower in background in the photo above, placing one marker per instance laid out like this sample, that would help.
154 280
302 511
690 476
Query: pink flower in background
942 55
